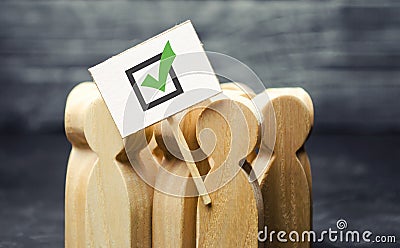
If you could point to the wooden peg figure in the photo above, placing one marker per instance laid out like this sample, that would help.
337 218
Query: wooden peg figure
240 89
119 202
229 129
286 182
175 201
302 154
80 163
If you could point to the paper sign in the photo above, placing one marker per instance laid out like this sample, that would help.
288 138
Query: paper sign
156 79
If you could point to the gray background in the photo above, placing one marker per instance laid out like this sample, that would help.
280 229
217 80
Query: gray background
346 54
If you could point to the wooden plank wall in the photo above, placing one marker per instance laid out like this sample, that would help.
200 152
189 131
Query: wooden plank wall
345 53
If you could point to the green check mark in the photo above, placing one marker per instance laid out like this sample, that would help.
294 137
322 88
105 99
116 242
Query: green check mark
167 57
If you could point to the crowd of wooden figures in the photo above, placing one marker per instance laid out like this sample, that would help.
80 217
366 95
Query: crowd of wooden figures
263 179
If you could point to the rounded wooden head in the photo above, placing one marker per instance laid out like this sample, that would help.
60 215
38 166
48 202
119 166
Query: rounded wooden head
238 88
102 134
236 209
77 102
293 114
229 128
89 123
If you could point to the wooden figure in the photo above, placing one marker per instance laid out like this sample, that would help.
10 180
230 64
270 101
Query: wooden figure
302 154
80 163
238 89
174 215
117 202
108 204
286 183
235 215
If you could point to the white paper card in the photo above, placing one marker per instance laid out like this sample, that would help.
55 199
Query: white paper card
156 79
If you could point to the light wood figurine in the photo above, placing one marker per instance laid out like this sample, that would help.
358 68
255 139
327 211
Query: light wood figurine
109 199
117 202
81 161
175 208
235 215
286 182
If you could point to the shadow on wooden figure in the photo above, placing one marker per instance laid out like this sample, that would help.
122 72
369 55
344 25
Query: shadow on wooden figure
107 204
174 215
81 162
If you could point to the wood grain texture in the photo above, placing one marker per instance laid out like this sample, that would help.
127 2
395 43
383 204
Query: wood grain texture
175 208
286 182
189 160
341 182
81 161
117 202
233 218
239 89
301 153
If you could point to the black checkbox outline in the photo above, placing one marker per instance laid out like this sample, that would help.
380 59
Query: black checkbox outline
136 89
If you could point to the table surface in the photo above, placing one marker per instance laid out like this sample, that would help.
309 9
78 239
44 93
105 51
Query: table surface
355 178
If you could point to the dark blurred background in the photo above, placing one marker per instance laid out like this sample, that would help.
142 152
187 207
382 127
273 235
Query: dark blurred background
346 54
